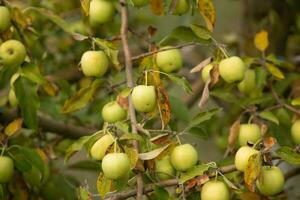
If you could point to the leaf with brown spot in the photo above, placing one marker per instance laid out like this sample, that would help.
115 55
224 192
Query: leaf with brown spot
191 183
208 12
151 30
157 7
104 185
269 142
19 18
233 134
13 127
164 105
201 65
161 139
85 5
202 179
133 156
214 76
123 101
252 171
205 94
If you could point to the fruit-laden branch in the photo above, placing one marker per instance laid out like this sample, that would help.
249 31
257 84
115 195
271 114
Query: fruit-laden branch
130 83
51 125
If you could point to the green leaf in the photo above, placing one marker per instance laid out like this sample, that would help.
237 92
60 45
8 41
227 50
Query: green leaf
296 101
289 155
179 109
261 77
268 115
32 72
275 71
195 171
199 132
182 82
160 193
201 31
86 165
202 117
26 93
84 194
81 98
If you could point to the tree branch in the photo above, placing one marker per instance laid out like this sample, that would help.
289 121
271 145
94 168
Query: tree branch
130 83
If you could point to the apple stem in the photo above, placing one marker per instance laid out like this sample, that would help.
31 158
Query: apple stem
3 149
115 146
146 77
178 139
250 119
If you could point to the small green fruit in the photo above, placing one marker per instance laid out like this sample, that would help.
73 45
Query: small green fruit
169 60
112 112
271 181
295 131
5 18
232 69
164 168
248 84
242 156
249 133
144 98
184 157
94 63
100 147
206 72
140 3
12 99
181 7
6 169
214 190
12 53
101 12
115 165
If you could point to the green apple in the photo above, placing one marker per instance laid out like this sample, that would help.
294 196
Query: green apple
206 72
169 60
12 53
6 169
232 69
181 7
144 98
112 112
100 147
248 84
94 63
12 99
5 18
140 3
184 157
249 133
271 181
101 12
115 165
295 131
242 156
215 190
164 168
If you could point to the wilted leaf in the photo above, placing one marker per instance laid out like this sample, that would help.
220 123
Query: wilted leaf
13 127
79 37
275 71
268 115
161 139
205 95
289 155
133 156
198 170
201 65
157 7
104 185
207 10
153 154
85 4
252 171
261 40
269 142
202 117
263 129
296 101
201 31
233 134
164 105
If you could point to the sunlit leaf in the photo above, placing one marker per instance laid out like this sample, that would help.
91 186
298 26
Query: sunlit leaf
208 12
133 156
268 115
13 127
296 101
85 5
104 185
198 170
252 171
275 71
289 155
201 31
261 40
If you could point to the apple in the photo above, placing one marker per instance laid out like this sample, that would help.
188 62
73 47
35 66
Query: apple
248 84
140 3
206 72
271 181
101 12
242 156
144 98
164 168
181 7
295 130
94 63
100 147
232 69
5 18
12 53
112 112
12 99
249 133
169 60
184 157
115 165
6 169
215 190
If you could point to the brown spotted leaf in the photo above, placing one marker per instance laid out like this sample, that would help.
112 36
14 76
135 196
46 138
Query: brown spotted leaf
13 127
252 171
208 12
152 30
85 4
161 139
233 134
157 7
104 185
164 105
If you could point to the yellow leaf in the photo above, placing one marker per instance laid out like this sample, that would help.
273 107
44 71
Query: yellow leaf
207 10
261 40
104 185
252 171
157 7
13 127
85 4
50 88
275 71
296 101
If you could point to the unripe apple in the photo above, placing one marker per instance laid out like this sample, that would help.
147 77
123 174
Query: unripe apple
206 72
242 156
248 84
12 99
94 63
6 169
101 12
184 157
5 18
249 133
140 3
169 60
144 98
232 69
271 181
164 168
296 131
215 190
12 53
100 147
112 112
115 165
181 7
